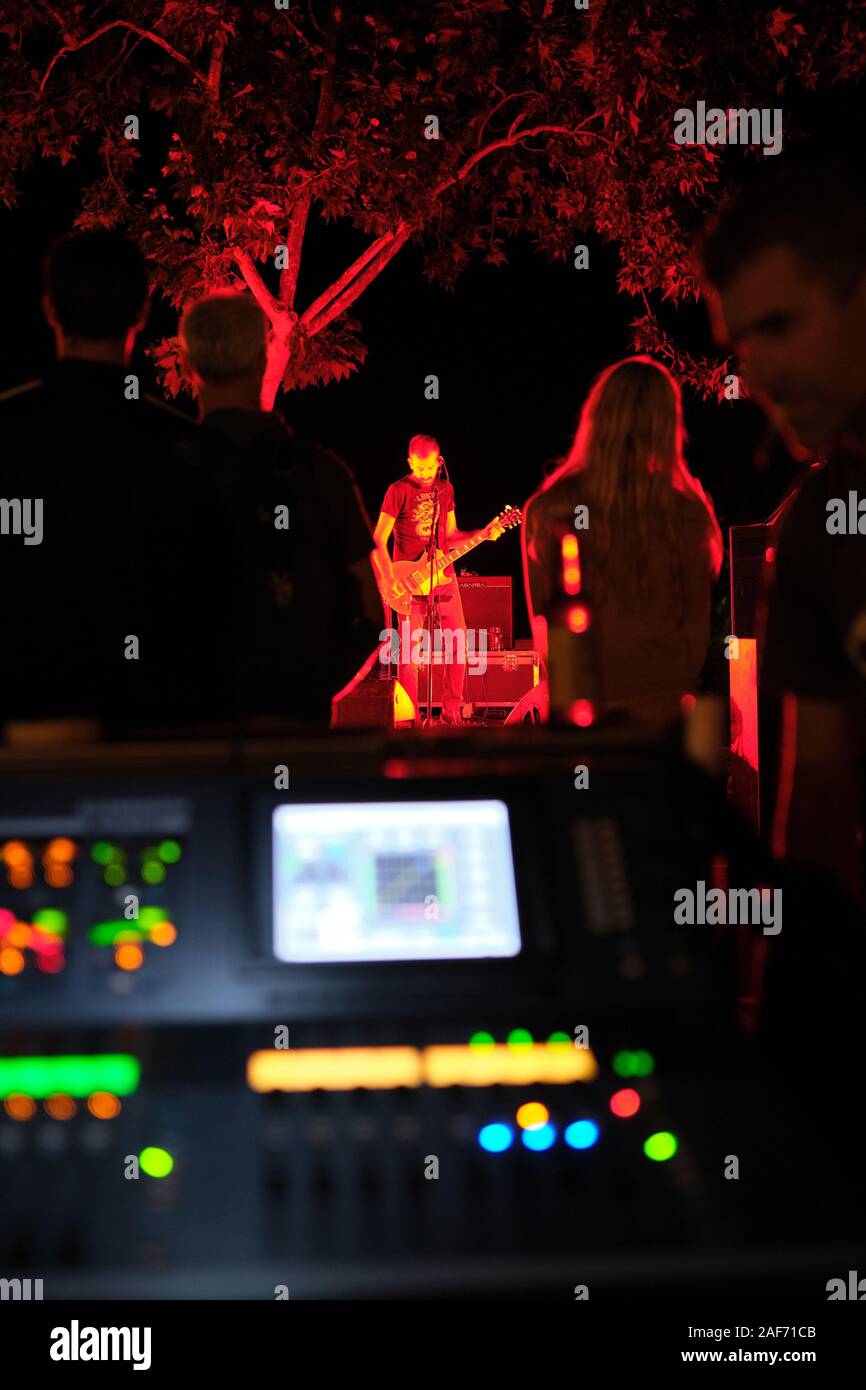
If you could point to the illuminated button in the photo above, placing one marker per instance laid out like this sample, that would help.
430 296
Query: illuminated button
660 1147
532 1115
60 1107
625 1103
11 961
103 1105
19 1107
495 1139
163 934
128 956
544 1137
156 1163
582 1134
62 848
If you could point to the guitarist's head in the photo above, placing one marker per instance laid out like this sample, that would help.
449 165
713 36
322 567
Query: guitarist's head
424 458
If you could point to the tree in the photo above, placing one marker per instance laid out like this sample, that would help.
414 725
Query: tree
221 135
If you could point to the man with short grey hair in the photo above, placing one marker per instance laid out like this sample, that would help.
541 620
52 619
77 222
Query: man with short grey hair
311 612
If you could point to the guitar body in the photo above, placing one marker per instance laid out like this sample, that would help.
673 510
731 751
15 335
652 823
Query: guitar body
411 578
412 581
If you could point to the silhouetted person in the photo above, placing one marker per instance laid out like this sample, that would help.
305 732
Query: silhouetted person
649 543
786 272
116 611
310 612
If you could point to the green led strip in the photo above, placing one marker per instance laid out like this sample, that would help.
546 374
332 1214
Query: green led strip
39 1077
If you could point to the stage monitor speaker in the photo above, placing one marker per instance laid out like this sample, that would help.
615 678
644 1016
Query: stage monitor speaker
486 600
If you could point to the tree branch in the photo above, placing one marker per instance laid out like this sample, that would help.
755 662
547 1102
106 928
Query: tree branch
215 71
277 312
340 302
301 210
364 269
120 24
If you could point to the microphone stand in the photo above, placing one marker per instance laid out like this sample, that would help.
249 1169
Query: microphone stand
431 600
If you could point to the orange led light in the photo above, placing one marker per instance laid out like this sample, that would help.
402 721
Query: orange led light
16 852
21 877
63 849
577 618
58 875
163 934
103 1105
19 935
11 961
533 1114
128 957
19 1107
60 1107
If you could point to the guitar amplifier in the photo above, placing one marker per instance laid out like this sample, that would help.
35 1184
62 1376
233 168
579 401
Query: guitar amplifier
499 680
486 603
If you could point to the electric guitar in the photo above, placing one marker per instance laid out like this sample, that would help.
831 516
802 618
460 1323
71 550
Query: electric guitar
411 578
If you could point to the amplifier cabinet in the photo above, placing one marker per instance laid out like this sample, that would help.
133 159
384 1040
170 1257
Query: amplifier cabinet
486 600
497 680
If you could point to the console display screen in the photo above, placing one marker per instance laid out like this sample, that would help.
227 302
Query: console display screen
378 881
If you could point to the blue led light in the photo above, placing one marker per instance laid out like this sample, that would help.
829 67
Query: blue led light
582 1134
540 1138
495 1138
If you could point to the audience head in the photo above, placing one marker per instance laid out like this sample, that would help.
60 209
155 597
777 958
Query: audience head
785 269
95 294
631 423
224 340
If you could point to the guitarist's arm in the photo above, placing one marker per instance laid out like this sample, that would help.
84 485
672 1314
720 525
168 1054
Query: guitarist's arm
381 536
454 537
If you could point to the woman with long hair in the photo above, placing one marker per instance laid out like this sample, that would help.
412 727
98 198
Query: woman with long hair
649 542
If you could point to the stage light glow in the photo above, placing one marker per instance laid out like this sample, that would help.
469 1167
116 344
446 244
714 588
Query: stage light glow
169 851
152 871
582 1134
80 1076
661 1146
103 853
577 618
544 1137
582 713
155 1162
62 848
559 1040
482 1041
532 1115
114 875
519 1037
496 1138
625 1103
50 962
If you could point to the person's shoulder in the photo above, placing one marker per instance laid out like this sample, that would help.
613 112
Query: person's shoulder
165 419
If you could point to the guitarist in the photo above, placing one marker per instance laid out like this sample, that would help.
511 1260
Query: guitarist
408 509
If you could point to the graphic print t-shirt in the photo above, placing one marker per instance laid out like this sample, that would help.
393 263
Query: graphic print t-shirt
412 508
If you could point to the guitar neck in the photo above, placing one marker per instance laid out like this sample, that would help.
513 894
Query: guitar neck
463 549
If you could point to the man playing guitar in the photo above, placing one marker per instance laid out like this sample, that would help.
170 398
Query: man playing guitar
408 510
